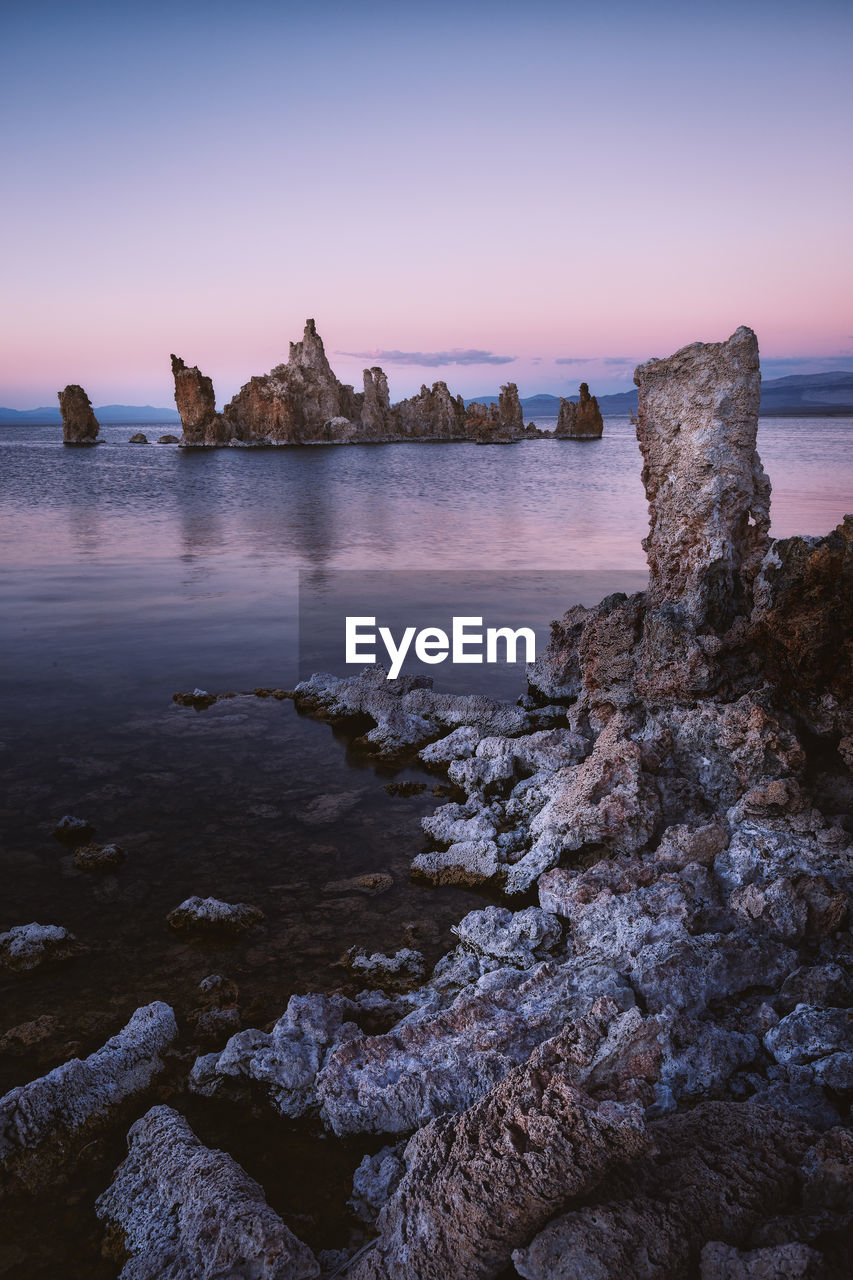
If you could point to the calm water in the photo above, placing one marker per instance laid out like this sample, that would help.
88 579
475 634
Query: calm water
130 572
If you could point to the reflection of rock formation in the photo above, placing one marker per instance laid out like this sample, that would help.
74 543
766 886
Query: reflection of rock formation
302 402
581 421
79 424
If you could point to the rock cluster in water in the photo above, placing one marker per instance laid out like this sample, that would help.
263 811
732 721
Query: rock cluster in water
79 424
640 1063
302 402
581 420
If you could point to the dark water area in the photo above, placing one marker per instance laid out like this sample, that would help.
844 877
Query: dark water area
130 572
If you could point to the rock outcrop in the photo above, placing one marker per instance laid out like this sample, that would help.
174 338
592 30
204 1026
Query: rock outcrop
708 495
196 403
433 414
581 420
79 424
176 1209
44 1122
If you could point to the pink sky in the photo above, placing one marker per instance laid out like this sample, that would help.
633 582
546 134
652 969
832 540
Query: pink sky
542 184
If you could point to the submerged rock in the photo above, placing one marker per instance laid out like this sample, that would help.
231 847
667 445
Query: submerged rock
99 857
44 1122
73 831
177 1209
79 424
581 420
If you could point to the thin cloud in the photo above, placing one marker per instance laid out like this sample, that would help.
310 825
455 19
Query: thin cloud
812 361
431 359
618 360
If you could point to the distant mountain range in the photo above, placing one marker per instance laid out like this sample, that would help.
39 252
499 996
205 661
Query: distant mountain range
808 395
108 414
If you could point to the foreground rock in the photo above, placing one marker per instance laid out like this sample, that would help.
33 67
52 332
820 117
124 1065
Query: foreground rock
581 420
718 1172
178 1209
478 1183
79 424
196 404
43 1123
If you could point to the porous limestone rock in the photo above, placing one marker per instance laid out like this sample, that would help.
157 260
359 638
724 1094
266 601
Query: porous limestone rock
26 946
479 1183
718 1171
196 404
432 414
404 968
79 424
708 495
377 421
580 420
177 1209
520 938
210 915
781 1262
43 1122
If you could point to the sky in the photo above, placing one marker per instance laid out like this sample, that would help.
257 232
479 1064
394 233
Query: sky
477 192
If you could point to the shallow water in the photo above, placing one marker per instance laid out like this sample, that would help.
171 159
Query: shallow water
130 572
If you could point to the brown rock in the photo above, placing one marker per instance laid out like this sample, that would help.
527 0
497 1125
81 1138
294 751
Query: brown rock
479 1183
196 402
581 421
708 495
433 414
79 424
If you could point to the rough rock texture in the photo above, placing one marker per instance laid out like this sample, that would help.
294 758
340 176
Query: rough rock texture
581 420
496 423
717 1172
79 424
477 1183
43 1121
138 438
376 418
709 498
432 414
196 404
210 915
177 1209
26 946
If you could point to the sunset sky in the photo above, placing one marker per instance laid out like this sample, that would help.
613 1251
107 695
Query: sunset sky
478 192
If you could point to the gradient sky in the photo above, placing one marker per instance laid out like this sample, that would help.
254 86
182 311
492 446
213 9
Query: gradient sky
476 192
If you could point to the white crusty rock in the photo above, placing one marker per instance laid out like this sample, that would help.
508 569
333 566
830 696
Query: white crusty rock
520 938
708 495
405 967
211 915
42 1121
26 946
375 1179
177 1209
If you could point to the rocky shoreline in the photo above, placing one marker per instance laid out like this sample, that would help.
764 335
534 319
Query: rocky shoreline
640 1061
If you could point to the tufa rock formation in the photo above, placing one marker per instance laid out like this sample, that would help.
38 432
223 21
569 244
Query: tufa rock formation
302 402
708 495
79 424
581 421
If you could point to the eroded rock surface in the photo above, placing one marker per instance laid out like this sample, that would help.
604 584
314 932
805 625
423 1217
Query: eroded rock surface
79 424
176 1208
43 1122
580 420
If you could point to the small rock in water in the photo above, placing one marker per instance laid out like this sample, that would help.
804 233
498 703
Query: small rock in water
405 967
139 438
29 1035
325 810
200 699
167 439
73 831
405 789
27 946
373 883
98 857
210 915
